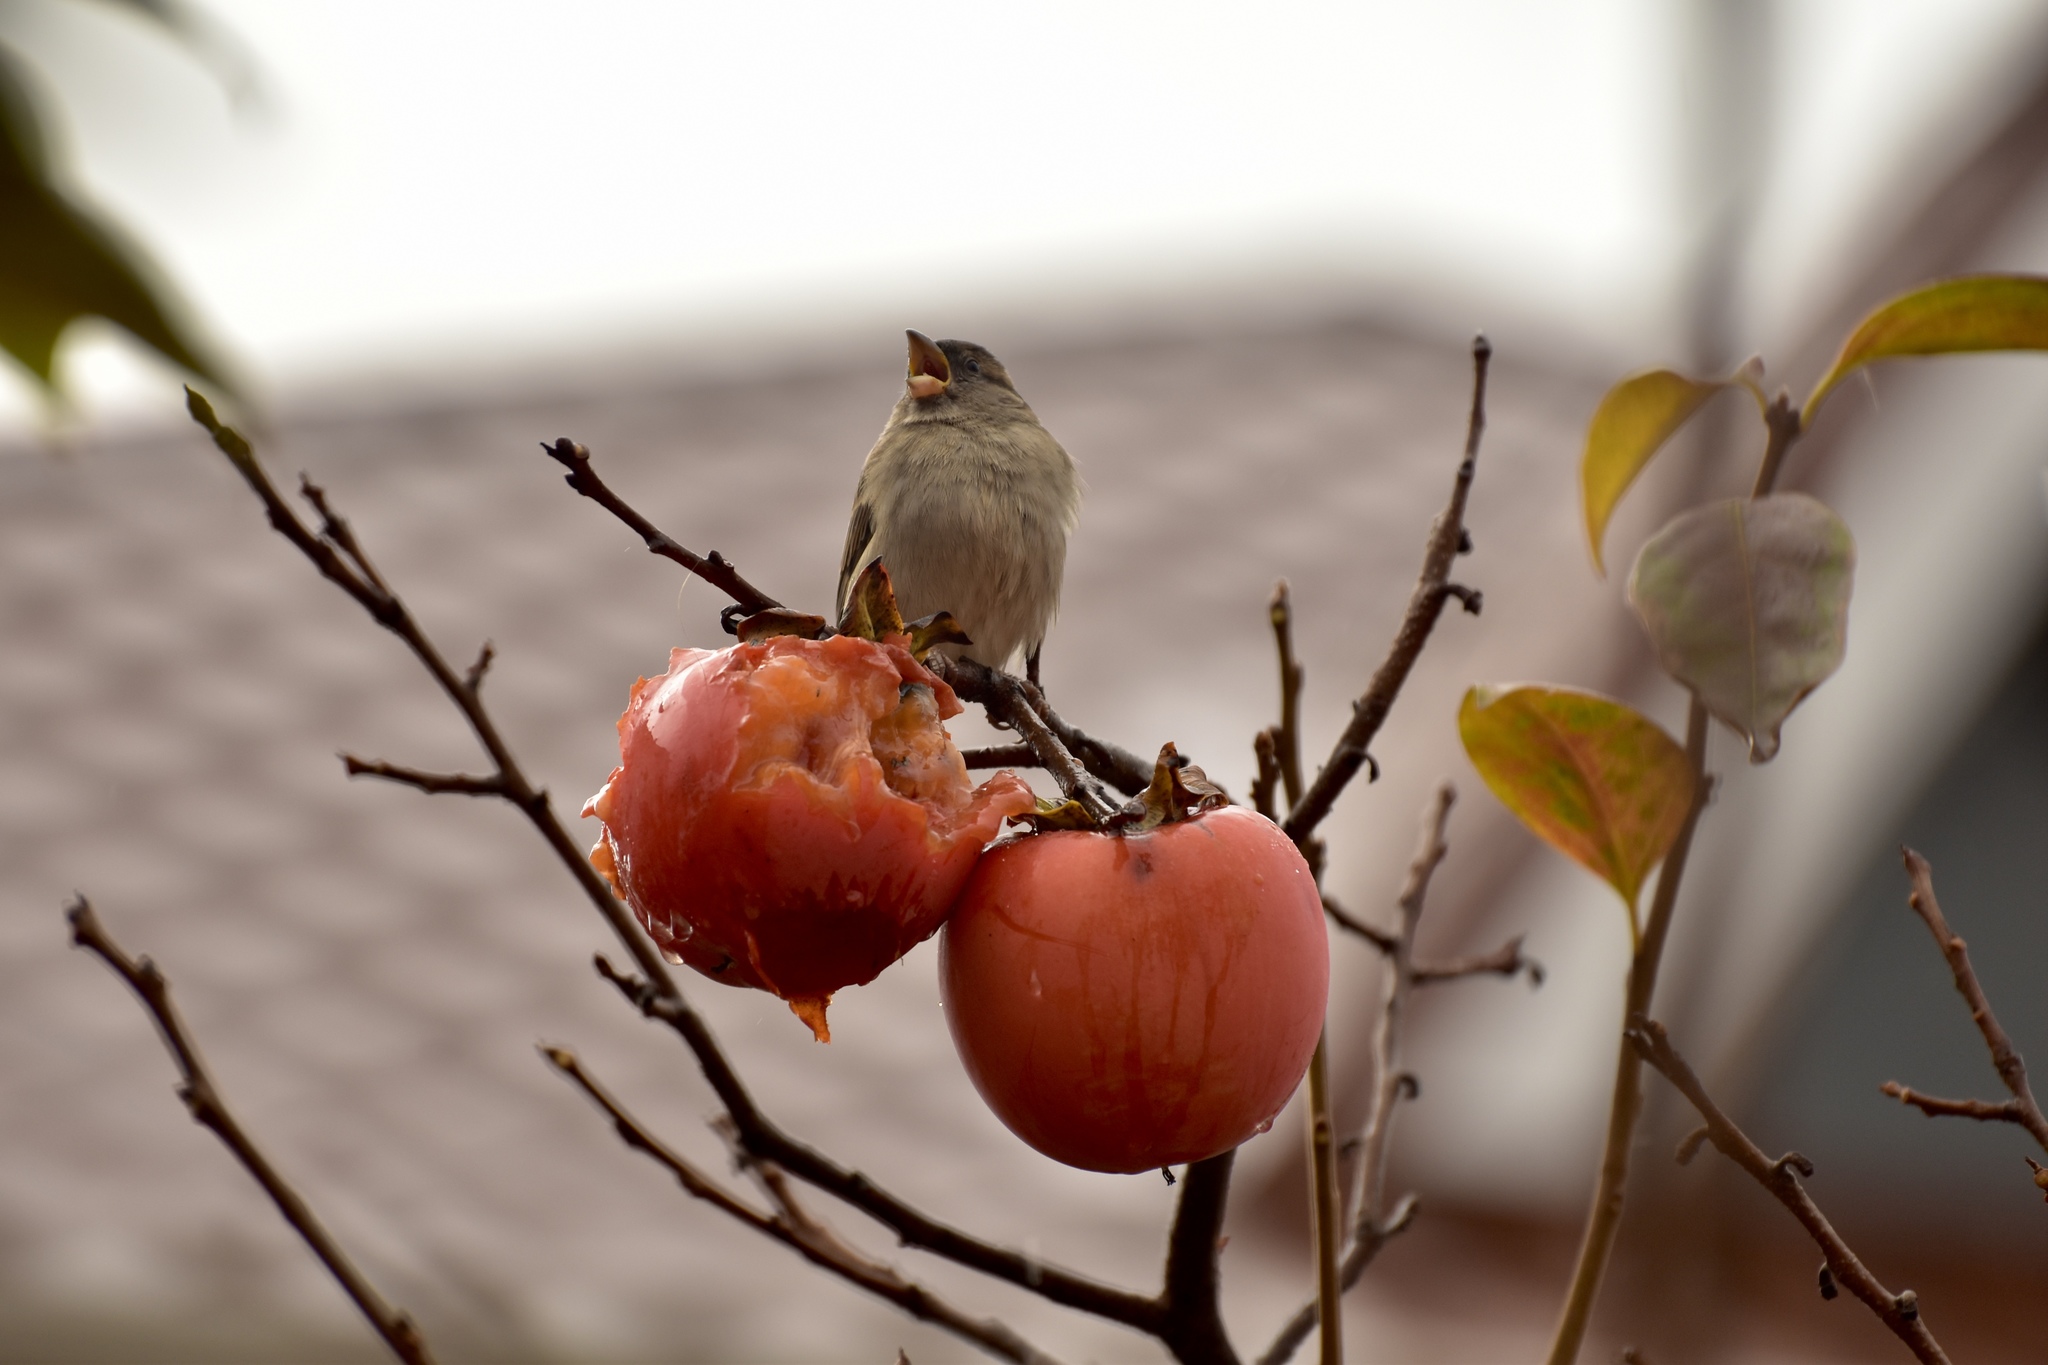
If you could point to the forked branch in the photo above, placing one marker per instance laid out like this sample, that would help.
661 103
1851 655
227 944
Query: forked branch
1901 1311
654 990
2005 1058
794 1227
209 1110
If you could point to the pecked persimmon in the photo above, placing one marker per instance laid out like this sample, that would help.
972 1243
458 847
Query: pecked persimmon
1128 1000
790 814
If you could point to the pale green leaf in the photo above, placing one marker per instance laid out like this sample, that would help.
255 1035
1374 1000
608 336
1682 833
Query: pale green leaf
1747 603
1594 779
1974 313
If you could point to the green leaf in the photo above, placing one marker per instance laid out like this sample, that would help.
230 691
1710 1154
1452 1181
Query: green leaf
1747 603
1974 313
1594 779
1631 425
60 262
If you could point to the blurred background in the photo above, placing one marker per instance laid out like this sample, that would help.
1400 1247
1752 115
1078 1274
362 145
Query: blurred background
1233 256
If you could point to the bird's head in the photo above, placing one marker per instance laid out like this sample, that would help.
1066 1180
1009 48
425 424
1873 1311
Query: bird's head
945 372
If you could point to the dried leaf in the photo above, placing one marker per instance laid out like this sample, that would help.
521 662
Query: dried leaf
1631 425
1178 791
871 611
1057 815
927 633
1974 313
1747 602
765 625
1591 777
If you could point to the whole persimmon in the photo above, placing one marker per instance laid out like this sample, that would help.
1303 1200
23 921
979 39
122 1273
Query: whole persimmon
790 814
1131 999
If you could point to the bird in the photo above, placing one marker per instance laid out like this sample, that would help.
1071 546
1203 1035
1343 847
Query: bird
968 502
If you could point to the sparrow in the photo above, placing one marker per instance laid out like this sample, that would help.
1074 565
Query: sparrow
968 502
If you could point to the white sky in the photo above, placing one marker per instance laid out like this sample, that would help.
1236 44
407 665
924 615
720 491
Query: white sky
445 186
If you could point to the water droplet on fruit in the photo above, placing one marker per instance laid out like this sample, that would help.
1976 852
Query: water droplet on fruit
1037 990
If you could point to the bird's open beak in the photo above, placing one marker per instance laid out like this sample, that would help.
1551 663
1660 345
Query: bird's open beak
929 371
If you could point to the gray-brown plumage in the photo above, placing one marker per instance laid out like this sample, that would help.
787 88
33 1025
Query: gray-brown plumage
967 501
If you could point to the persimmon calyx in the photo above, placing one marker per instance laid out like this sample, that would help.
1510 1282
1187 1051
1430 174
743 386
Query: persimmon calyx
1178 791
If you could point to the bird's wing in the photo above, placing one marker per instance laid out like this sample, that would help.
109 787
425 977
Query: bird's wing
859 532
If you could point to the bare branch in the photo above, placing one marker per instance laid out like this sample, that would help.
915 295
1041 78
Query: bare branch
2005 1058
1287 739
1900 1312
1350 923
1432 589
389 611
759 1135
210 1111
1506 960
1375 1223
654 992
713 569
795 1228
473 676
1114 764
434 784
1191 1319
1009 701
1266 751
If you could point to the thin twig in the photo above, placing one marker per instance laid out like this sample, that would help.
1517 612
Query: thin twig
794 1227
1119 767
2005 1058
712 568
1506 960
1278 750
1008 702
1287 749
203 1100
1352 924
1433 588
388 610
1900 1312
434 784
654 992
1375 1222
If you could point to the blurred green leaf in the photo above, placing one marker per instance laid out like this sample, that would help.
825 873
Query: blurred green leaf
1747 602
1631 425
1593 778
60 262
1974 313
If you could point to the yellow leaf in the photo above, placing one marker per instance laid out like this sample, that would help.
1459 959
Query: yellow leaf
1633 422
1592 778
1974 313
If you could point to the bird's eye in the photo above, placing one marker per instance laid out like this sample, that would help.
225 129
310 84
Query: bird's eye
974 367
